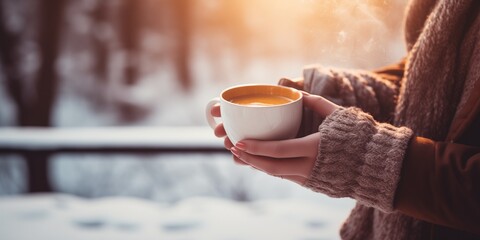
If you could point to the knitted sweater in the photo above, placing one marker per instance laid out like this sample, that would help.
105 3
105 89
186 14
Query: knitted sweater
362 146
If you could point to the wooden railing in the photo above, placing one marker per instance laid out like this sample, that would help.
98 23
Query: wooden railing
36 145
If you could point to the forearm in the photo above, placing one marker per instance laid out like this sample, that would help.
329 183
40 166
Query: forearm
440 184
374 92
368 91
384 167
359 158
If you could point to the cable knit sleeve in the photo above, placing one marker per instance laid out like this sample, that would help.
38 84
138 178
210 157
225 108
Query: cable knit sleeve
359 158
373 92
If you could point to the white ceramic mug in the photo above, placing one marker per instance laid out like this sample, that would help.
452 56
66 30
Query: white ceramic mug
273 122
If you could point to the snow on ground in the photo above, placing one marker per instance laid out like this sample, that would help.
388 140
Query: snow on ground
60 216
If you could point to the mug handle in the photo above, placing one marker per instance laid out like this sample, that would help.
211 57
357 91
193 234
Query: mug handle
210 119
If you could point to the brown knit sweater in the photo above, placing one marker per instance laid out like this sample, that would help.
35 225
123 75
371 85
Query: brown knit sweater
361 158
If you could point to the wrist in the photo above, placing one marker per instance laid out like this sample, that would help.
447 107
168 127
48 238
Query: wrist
359 158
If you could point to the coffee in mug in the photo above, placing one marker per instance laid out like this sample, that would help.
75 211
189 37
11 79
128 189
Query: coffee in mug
262 112
260 100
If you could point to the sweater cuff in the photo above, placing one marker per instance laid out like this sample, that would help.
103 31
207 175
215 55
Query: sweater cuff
359 158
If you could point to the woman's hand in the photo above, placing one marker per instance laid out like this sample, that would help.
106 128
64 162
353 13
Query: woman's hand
291 159
296 83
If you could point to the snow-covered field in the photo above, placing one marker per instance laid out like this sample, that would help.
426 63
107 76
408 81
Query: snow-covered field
60 216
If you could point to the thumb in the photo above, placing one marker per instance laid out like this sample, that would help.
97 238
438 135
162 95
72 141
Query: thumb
319 104
296 83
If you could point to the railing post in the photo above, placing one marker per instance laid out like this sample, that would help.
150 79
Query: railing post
38 172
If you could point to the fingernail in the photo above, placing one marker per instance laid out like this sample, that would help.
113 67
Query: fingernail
241 145
235 152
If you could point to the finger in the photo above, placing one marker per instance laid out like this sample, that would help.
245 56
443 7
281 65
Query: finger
227 143
238 161
272 166
215 111
219 131
291 148
294 178
293 83
319 104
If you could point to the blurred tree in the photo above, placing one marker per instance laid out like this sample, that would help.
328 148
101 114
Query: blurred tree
129 36
182 28
99 16
34 108
10 59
